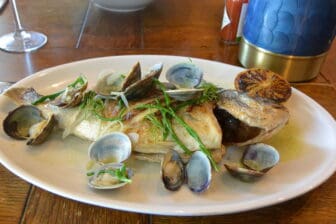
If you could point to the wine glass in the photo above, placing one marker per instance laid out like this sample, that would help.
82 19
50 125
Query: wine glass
21 40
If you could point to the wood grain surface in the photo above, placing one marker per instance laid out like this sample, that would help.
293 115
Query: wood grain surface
171 27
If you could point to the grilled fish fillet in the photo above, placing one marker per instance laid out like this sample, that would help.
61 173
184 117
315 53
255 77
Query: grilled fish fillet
146 137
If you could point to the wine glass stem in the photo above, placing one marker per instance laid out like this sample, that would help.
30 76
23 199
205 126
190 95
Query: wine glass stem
16 16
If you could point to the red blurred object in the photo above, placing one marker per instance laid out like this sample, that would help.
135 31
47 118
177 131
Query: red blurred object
233 20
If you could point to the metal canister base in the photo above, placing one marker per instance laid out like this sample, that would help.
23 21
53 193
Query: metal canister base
293 68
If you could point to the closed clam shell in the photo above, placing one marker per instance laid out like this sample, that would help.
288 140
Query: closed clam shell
260 157
198 172
172 170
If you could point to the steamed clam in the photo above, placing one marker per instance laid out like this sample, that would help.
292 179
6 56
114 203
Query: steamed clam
28 122
72 95
196 172
115 147
110 81
144 86
109 152
172 171
110 176
248 163
185 77
130 87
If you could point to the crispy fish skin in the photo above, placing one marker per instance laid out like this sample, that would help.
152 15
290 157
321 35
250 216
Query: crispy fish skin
202 119
265 115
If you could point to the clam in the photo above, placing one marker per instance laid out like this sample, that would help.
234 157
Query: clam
109 81
72 95
142 87
28 122
248 163
185 77
131 87
184 94
115 147
110 176
198 172
172 171
245 120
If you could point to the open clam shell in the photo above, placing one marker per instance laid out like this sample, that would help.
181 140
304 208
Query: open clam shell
105 179
28 122
184 75
249 163
184 94
72 95
109 81
145 85
115 147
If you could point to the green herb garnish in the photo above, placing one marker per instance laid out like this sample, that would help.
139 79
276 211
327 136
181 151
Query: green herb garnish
168 112
95 105
79 81
121 174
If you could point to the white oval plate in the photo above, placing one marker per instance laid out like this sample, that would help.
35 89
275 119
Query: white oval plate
306 146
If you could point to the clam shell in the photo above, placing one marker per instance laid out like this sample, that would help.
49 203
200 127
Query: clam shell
184 94
249 163
110 81
198 172
28 122
260 157
184 75
18 121
97 181
172 171
114 147
71 97
145 85
133 76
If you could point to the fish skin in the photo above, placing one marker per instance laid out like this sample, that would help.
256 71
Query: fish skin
267 115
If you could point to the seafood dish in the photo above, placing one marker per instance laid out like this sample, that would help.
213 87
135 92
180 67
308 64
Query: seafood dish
188 125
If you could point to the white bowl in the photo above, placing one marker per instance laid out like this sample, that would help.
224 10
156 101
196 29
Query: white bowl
122 5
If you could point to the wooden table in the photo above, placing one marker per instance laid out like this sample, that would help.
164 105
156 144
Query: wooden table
173 27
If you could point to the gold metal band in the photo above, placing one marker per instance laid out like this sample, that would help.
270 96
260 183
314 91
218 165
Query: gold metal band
293 68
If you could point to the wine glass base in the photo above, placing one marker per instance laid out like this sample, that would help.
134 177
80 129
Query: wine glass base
22 41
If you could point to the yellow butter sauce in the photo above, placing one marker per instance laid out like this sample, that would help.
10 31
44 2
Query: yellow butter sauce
289 142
